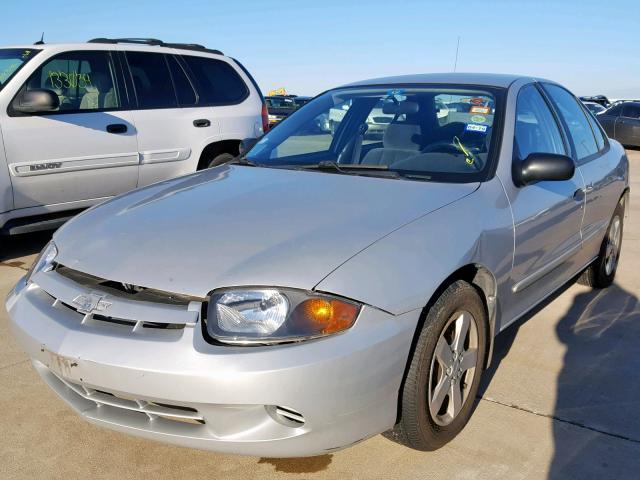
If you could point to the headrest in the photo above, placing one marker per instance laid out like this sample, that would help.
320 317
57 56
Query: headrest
402 136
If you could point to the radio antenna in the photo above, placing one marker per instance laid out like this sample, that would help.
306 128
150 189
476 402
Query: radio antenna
455 63
41 41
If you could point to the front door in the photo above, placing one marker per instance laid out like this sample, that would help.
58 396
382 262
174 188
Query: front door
547 215
87 149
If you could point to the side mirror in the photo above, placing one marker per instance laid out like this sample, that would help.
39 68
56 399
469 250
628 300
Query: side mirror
36 101
247 144
538 167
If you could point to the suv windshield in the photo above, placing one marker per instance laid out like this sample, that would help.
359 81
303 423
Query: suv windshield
434 133
12 60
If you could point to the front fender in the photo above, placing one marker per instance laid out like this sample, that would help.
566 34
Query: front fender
400 272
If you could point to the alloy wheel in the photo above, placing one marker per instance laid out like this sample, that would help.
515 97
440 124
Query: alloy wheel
612 251
453 368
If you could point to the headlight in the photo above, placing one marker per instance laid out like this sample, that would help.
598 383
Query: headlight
270 315
44 262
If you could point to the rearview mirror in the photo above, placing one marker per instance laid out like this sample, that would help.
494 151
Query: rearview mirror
36 101
538 167
401 108
247 144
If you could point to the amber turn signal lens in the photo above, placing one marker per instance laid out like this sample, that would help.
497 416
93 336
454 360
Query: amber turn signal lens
330 316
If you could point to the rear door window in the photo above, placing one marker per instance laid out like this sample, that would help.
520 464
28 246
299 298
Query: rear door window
631 110
82 81
597 131
217 81
184 90
575 121
152 80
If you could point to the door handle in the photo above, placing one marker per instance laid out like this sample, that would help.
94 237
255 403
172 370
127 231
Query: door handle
117 128
581 192
202 122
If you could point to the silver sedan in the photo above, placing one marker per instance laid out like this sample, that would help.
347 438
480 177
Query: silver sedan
325 287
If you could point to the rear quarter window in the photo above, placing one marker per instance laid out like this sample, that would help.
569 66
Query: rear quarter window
217 82
152 80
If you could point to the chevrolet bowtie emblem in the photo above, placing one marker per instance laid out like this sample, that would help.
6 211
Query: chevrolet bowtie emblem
92 302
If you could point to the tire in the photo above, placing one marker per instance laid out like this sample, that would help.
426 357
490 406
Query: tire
422 425
219 159
601 273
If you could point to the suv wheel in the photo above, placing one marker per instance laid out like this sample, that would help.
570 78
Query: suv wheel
219 160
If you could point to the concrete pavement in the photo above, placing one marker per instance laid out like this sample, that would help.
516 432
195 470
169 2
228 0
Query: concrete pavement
560 401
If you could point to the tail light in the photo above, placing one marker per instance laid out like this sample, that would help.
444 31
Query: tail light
265 118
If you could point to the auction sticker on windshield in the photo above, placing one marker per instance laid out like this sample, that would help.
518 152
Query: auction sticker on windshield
476 128
482 110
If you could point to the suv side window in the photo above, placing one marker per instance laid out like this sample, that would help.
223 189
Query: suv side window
151 80
575 121
217 81
184 90
83 81
631 110
536 128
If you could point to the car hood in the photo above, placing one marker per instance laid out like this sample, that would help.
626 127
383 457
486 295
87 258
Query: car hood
239 225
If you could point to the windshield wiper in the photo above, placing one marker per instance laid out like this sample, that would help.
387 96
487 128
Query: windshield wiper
359 169
344 167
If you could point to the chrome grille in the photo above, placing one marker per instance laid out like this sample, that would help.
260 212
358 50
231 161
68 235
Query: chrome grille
135 311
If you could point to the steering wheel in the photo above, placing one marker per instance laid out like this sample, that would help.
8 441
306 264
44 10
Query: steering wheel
445 146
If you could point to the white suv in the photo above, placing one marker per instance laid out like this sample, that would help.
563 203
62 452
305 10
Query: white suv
80 123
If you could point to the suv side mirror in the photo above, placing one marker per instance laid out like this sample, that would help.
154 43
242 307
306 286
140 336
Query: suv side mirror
247 144
36 101
538 167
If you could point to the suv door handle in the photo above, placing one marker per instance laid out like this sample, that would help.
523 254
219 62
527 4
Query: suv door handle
201 122
117 128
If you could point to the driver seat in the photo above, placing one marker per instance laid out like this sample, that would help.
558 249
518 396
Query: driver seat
400 141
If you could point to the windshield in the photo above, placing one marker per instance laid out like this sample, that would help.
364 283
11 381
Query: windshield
12 60
438 133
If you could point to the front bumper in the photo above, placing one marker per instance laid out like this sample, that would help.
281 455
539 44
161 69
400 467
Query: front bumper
172 386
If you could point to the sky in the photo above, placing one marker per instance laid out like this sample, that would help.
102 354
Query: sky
590 46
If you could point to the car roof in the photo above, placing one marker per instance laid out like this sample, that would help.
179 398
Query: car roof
63 47
489 79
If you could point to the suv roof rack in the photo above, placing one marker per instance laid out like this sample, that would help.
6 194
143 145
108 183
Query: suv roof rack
157 43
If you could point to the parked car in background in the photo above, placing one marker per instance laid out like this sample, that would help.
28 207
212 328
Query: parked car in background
300 101
622 122
600 99
594 107
322 289
84 122
280 107
376 124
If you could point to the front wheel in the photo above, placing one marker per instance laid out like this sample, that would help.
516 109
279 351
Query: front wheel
601 273
442 381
